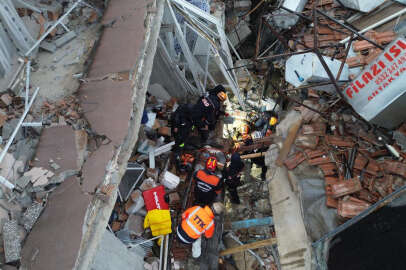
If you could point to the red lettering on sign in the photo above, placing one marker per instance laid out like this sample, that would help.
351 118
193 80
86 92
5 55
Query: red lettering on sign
375 70
367 77
388 57
360 85
349 92
401 44
395 51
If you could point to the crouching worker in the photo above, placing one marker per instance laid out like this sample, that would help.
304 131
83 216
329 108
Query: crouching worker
231 177
208 184
197 221
158 217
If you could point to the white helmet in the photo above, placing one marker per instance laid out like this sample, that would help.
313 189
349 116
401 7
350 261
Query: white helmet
217 208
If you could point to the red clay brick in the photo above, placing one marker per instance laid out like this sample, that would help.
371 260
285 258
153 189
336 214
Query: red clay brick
345 187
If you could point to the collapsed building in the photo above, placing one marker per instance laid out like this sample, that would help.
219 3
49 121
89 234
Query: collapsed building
88 88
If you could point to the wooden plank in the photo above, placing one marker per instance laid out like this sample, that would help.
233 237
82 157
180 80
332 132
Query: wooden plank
254 245
287 144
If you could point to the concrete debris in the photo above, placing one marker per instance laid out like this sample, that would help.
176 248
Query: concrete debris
284 19
11 241
65 39
362 5
31 215
39 176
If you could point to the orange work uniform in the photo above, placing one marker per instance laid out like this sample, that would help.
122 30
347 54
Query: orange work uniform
208 185
195 222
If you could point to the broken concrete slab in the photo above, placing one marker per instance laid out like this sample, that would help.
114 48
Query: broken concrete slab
293 243
135 224
48 46
159 91
285 19
31 215
57 143
39 176
8 129
113 254
65 39
65 212
118 51
12 241
94 168
103 117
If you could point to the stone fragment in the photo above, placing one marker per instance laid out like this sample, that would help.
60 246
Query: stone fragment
147 184
7 99
31 215
135 225
12 241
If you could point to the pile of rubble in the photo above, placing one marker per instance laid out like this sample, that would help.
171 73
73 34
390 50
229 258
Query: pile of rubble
360 167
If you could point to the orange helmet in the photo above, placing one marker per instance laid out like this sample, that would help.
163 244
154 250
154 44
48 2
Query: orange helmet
222 96
211 164
244 129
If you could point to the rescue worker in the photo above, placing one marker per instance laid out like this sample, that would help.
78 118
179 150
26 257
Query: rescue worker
182 125
208 185
231 177
198 221
158 217
210 108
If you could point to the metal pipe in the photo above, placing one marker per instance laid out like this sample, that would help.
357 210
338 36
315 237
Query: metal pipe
347 51
36 44
270 47
350 29
372 26
161 249
20 67
32 124
362 215
206 68
65 27
10 140
148 240
166 254
283 55
27 83
235 238
247 223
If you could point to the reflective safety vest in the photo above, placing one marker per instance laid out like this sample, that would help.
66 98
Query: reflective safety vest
206 182
197 221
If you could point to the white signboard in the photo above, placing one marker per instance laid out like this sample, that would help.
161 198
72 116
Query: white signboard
380 83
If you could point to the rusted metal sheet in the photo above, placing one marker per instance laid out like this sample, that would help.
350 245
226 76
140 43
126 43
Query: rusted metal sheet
346 187
351 207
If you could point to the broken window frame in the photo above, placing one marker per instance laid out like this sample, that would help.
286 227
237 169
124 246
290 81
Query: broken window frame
208 28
